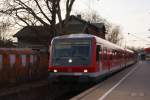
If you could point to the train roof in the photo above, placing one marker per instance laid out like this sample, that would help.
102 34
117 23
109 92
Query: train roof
98 39
108 44
129 50
74 36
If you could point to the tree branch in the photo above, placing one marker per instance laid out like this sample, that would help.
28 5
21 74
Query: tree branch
27 8
69 4
48 6
59 17
22 19
42 10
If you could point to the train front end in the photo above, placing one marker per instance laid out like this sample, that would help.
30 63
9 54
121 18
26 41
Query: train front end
71 59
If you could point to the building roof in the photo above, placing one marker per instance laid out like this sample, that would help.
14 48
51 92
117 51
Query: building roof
99 26
33 31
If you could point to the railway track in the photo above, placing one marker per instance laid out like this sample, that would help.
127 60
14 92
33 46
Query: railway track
38 90
42 90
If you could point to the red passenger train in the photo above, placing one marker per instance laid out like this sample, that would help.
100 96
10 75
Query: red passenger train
147 53
85 57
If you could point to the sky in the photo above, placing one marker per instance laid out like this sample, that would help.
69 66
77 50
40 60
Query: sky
132 15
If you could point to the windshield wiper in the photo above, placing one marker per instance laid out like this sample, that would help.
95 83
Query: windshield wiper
83 58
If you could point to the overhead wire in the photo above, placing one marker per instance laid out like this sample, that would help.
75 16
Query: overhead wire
139 37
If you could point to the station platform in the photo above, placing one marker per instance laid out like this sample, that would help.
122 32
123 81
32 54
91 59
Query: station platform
133 83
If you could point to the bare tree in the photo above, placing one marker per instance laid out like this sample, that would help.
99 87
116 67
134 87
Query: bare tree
115 35
4 27
94 17
37 12
113 32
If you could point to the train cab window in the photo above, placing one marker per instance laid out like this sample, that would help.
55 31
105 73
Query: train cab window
72 53
98 50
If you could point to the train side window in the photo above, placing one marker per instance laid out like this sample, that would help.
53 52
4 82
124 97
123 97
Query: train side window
98 50
115 54
1 61
12 59
105 53
111 55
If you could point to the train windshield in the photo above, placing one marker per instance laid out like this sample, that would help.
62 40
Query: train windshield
71 52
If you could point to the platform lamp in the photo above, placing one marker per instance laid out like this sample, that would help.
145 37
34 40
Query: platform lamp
149 36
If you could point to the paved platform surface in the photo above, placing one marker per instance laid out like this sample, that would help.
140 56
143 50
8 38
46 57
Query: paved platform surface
132 83
22 87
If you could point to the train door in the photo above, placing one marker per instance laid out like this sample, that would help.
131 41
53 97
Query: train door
105 61
108 59
124 62
114 58
102 58
111 58
98 57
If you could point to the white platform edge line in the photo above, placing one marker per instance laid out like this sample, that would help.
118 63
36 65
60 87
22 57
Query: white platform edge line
116 85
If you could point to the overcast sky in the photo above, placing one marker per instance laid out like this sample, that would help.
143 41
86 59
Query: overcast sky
132 15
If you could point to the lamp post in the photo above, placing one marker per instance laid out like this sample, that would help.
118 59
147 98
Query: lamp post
126 40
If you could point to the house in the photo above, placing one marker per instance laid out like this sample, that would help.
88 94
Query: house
78 25
40 36
33 37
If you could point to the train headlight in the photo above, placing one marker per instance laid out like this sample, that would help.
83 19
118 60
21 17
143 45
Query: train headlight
55 70
85 70
70 60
